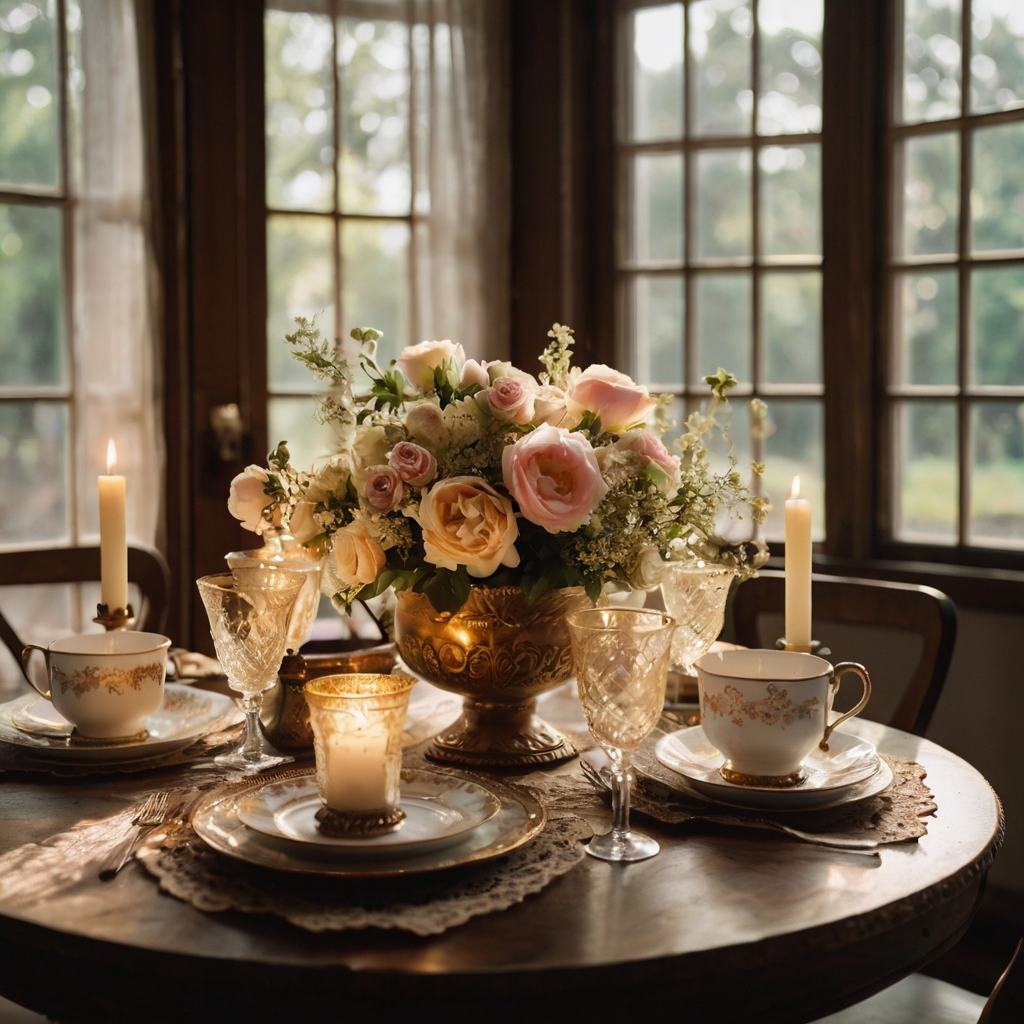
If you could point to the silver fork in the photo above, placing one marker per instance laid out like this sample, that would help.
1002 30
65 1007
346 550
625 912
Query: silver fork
150 815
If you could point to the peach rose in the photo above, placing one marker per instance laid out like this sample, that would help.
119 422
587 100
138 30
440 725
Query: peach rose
248 499
415 465
508 400
417 362
554 476
613 396
358 557
467 522
301 524
384 488
661 465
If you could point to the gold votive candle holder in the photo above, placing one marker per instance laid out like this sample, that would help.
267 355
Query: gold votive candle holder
357 722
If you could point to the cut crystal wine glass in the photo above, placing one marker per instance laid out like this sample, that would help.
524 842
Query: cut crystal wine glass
249 611
622 657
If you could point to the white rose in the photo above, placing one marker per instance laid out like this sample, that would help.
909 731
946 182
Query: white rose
417 362
247 498
649 570
549 405
473 373
425 423
370 448
358 557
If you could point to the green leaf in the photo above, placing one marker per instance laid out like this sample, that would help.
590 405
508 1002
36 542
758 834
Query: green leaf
447 591
593 588
720 382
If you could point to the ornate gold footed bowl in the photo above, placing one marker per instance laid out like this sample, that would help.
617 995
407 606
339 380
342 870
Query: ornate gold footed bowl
500 654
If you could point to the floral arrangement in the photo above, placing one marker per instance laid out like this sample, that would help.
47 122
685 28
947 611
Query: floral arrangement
451 472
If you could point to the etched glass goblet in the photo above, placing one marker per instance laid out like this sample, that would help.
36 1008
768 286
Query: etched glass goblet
248 612
622 657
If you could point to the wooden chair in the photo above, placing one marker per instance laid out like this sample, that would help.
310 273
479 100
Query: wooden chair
147 568
921 610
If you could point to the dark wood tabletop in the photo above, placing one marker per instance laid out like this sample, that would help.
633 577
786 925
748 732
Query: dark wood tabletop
722 925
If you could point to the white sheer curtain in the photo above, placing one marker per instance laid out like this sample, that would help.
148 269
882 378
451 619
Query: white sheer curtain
116 386
461 172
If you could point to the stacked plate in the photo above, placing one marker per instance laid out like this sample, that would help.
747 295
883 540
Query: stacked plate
851 770
450 821
34 726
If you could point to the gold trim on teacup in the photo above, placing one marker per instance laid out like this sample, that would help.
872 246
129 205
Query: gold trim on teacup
776 707
116 680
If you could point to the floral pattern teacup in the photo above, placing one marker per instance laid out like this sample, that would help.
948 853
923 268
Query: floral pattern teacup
766 710
105 684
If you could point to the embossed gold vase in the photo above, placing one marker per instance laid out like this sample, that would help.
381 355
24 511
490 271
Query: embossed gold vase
500 653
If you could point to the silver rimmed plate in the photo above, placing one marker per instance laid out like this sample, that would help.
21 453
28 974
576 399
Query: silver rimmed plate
439 811
32 724
216 820
851 770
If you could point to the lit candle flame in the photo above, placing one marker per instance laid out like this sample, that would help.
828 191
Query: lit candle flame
794 487
111 457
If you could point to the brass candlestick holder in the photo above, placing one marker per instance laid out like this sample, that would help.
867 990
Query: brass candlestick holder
118 618
814 647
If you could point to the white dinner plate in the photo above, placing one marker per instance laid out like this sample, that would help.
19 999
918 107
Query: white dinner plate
217 823
850 770
439 810
32 724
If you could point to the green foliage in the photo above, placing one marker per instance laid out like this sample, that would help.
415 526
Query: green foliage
317 355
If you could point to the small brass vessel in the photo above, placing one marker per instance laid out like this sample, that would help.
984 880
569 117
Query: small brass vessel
285 716
500 653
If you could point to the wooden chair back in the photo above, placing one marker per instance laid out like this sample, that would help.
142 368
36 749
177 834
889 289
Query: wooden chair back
917 609
147 568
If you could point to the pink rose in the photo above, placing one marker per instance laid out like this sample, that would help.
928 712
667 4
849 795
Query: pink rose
467 522
384 488
358 557
614 397
417 362
554 476
473 373
662 466
248 499
415 465
509 401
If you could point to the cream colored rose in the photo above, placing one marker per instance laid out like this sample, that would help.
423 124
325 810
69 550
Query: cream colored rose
370 448
549 406
426 424
248 499
417 362
473 373
467 522
301 524
358 557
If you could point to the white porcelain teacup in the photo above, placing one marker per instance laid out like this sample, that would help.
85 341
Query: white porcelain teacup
105 684
767 710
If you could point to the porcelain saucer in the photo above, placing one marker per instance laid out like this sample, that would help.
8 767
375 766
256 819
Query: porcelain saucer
440 809
32 724
850 770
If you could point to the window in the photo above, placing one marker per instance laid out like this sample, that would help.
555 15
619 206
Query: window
721 256
956 274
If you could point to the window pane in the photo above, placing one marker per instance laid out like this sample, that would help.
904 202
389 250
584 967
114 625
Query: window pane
790 99
658 72
790 200
294 420
926 461
794 445
997 193
722 203
375 281
720 61
791 305
300 282
373 62
29 95
658 312
997 325
722 323
931 59
31 320
997 473
34 468
931 201
657 207
299 87
997 61
926 327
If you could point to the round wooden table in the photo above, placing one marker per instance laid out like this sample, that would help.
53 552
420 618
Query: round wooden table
722 925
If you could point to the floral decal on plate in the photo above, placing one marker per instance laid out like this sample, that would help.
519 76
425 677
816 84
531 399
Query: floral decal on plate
775 708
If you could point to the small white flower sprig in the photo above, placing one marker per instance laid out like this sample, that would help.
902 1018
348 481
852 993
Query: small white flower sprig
450 472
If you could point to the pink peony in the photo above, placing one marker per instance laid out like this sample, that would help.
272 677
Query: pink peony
415 465
417 362
613 396
554 476
509 401
384 488
467 522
